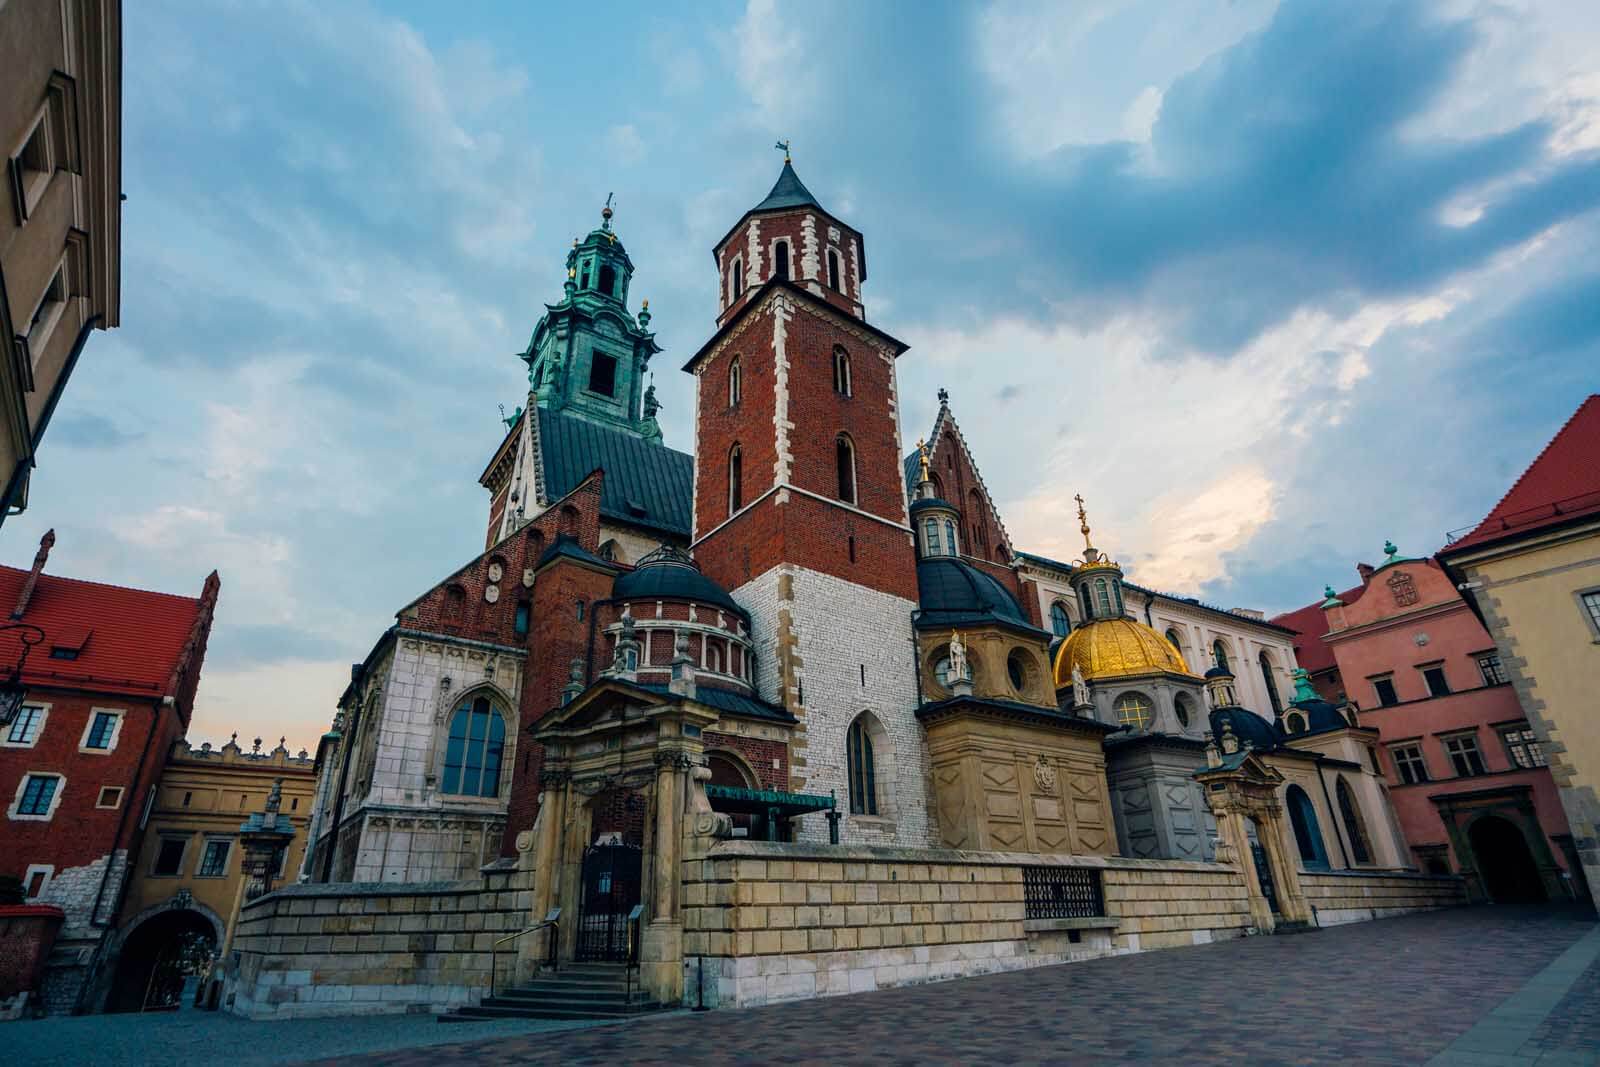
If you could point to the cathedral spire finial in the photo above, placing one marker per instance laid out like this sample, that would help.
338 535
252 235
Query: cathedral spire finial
1083 523
784 145
605 213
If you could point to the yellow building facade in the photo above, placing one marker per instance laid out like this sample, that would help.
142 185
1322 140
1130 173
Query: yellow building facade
1531 570
187 882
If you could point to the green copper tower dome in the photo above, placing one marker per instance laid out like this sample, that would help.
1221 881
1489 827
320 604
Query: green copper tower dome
588 355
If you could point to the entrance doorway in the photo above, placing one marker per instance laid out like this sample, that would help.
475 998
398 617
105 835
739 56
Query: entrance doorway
1504 862
156 959
611 885
1258 853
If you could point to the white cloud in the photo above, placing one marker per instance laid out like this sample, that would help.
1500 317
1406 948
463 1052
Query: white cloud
624 142
1140 117
768 52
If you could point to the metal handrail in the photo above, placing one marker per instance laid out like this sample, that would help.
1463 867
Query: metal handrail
494 951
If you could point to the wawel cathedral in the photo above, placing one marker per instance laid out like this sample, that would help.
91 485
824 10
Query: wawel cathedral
814 638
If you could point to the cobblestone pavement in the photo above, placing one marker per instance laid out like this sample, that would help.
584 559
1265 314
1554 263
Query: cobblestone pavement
203 1037
1398 991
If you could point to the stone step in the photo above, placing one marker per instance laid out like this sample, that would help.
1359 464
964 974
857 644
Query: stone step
568 1002
493 1011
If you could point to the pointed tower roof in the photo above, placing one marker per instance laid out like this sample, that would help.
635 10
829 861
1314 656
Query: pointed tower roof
787 192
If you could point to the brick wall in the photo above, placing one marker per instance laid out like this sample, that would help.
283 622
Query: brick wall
27 931
1347 897
364 949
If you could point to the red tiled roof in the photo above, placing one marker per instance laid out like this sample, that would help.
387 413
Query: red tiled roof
1561 484
1311 624
131 639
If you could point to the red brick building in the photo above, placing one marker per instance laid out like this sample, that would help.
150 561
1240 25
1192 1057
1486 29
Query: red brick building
110 680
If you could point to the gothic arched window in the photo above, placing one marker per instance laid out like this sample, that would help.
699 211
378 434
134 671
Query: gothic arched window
780 260
841 371
862 773
1272 686
833 270
735 480
735 280
1172 639
844 455
608 280
1060 622
472 753
1220 653
735 383
1354 827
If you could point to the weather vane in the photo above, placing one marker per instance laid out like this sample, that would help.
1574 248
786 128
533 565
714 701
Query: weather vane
784 145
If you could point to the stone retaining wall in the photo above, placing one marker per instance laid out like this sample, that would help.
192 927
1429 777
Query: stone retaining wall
369 948
1355 896
771 922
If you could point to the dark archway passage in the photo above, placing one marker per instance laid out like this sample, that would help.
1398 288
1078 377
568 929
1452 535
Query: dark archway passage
1504 862
156 958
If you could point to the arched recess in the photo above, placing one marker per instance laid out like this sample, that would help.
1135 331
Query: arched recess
868 765
156 951
1219 654
1504 861
1307 832
1355 827
844 451
1060 621
731 768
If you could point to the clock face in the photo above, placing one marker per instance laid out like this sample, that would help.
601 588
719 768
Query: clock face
495 570
527 578
491 593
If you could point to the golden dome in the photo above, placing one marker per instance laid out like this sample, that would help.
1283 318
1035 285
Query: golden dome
1110 648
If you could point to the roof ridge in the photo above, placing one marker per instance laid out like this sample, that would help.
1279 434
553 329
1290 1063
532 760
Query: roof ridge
1592 398
53 578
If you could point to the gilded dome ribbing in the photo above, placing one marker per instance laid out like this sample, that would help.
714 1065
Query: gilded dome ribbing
1108 648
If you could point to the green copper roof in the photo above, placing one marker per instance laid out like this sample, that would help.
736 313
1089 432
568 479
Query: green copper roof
787 192
647 484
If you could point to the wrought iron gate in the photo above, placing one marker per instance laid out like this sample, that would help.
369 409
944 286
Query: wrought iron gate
610 890
1264 875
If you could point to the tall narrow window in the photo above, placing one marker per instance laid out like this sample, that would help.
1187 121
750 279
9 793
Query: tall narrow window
1172 639
583 279
735 480
523 617
735 280
950 537
1354 827
841 371
845 460
1465 756
1437 685
602 374
780 260
1102 596
472 753
930 532
1060 623
735 383
608 280
863 780
1219 652
1272 685
833 270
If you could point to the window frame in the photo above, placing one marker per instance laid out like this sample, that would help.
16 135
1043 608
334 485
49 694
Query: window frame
1059 613
48 873
735 382
1409 758
39 724
29 182
843 383
1495 676
596 355
1134 695
468 705
844 449
99 800
1388 678
787 259
1588 601
1437 666
1530 744
16 813
207 844
1470 737
736 280
834 270
861 775
117 716
735 479
163 838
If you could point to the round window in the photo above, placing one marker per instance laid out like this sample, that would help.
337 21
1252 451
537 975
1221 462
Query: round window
1017 670
1134 710
941 669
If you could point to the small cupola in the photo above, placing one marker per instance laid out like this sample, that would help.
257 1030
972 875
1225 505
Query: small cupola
598 265
1097 579
936 521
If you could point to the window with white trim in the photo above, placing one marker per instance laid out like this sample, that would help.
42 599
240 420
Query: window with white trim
38 796
1409 765
32 164
25 729
1522 746
37 878
51 307
110 797
214 860
102 730
1465 756
1490 668
1590 601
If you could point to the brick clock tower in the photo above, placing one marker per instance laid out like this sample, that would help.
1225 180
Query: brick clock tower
800 506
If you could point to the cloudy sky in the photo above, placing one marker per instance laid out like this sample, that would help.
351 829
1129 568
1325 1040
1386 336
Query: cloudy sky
1267 283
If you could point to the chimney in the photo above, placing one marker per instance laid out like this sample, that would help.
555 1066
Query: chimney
46 543
1365 570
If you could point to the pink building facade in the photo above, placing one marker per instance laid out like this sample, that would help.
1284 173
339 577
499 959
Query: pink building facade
1466 777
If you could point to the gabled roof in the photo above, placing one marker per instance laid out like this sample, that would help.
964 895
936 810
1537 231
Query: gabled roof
1561 484
943 421
1310 624
566 547
647 484
129 640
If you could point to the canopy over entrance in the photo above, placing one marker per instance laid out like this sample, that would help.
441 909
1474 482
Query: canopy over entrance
775 807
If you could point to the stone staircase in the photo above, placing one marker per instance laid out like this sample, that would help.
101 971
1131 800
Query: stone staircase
576 991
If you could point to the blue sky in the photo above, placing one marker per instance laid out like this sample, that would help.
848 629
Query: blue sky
1267 283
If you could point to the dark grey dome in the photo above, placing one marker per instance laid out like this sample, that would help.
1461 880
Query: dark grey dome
1320 715
931 502
1247 727
672 574
953 593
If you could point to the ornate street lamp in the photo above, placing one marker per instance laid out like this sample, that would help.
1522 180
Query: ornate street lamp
265 836
12 690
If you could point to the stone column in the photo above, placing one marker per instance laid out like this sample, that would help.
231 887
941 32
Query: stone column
1235 845
543 855
1292 906
661 942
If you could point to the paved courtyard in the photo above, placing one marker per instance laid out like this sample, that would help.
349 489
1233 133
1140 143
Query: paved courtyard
1477 987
